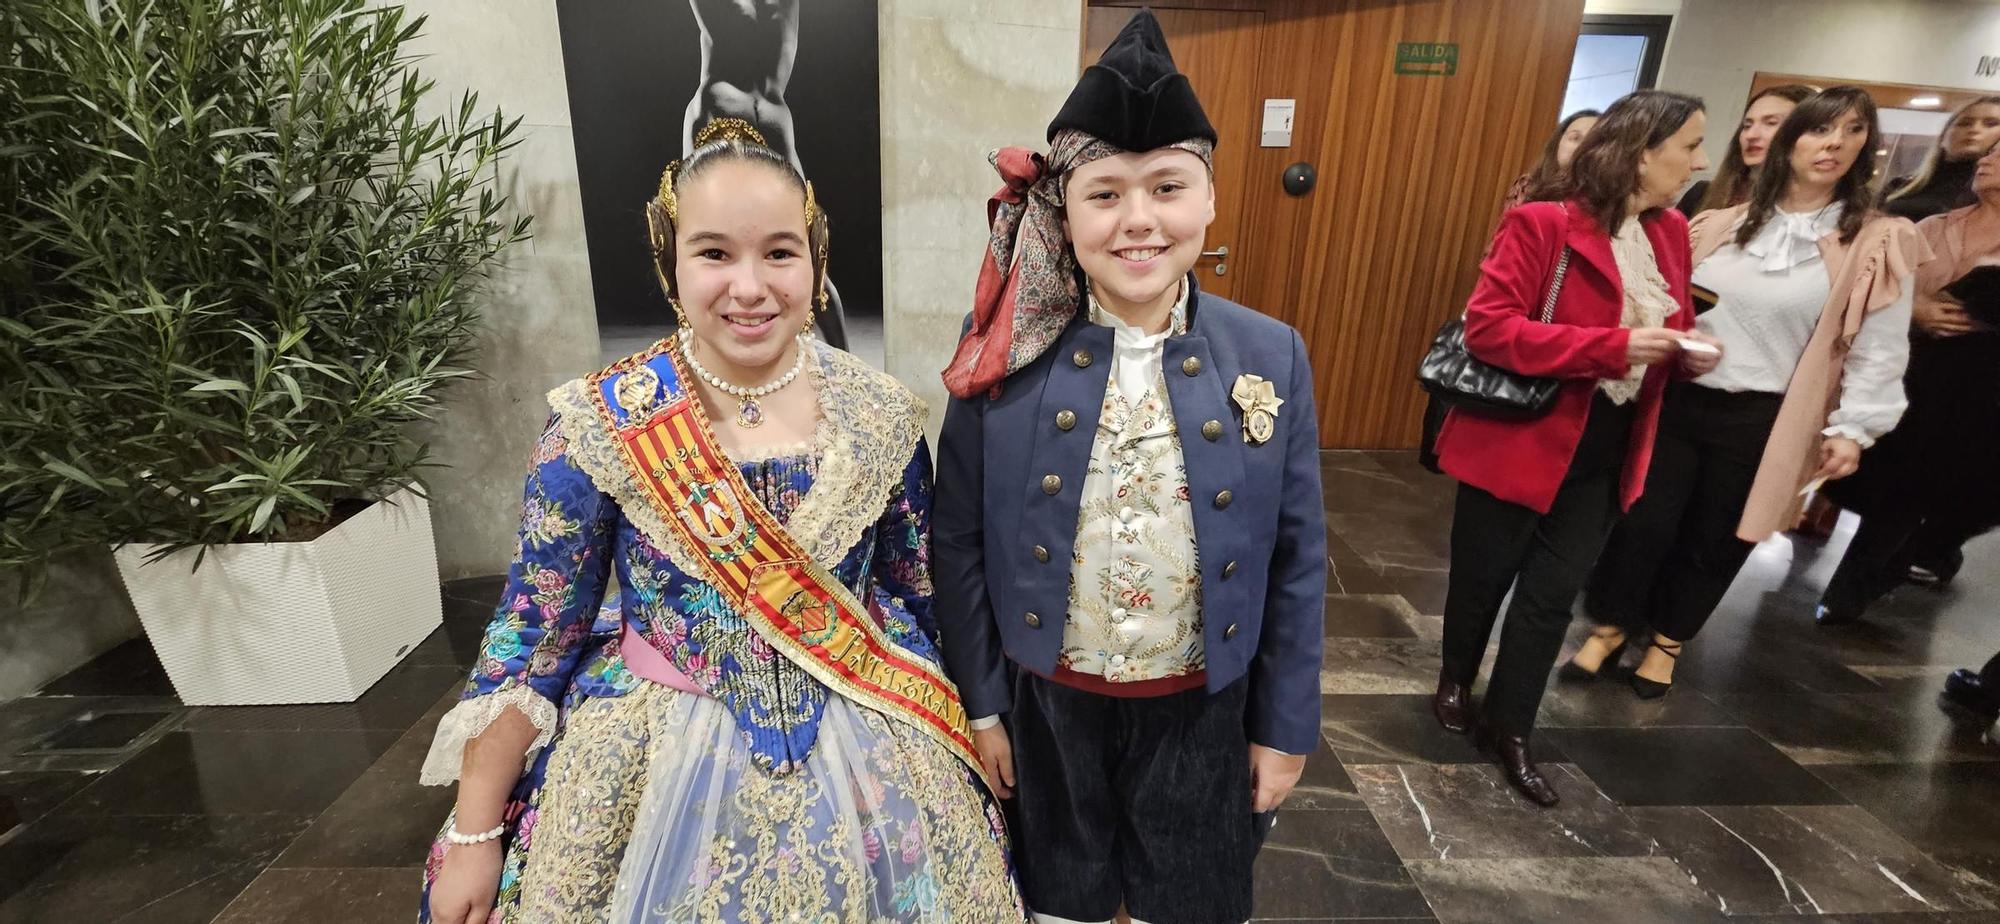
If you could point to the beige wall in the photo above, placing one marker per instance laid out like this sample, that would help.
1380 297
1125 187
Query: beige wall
540 324
1718 44
959 78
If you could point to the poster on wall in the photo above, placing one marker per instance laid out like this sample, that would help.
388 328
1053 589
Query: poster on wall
644 74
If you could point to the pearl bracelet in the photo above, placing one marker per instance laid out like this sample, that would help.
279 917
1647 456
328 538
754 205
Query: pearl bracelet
467 840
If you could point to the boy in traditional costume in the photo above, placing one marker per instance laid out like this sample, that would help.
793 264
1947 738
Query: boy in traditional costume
1131 548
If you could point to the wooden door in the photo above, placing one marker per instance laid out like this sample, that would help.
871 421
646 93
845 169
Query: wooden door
1211 47
1411 169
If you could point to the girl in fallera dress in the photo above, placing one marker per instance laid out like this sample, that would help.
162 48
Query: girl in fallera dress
756 727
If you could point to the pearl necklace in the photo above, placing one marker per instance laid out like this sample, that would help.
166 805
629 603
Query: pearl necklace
749 415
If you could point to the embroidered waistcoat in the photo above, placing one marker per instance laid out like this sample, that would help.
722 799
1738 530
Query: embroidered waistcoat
1135 580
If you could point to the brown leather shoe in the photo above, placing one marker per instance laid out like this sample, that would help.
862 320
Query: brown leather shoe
1449 705
1519 763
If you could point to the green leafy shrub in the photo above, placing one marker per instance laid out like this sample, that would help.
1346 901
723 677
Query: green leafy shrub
240 259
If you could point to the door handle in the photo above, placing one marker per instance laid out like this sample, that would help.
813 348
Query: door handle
1221 254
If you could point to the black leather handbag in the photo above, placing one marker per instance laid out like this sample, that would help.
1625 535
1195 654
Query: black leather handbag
1454 376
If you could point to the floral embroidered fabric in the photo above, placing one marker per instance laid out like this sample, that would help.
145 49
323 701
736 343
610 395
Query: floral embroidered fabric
1135 585
858 504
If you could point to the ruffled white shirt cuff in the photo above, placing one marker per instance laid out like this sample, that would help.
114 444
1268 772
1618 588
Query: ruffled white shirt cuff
1849 431
470 717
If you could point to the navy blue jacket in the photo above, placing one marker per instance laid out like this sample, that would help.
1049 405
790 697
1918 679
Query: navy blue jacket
1003 543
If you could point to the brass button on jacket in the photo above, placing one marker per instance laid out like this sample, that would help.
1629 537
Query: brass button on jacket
1035 622
1230 632
1191 365
1212 430
1222 497
1228 570
1081 358
1053 483
1042 554
1065 420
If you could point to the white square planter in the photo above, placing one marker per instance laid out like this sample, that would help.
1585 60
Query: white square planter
292 622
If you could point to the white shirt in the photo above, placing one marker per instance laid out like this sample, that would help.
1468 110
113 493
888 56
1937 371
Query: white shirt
1769 296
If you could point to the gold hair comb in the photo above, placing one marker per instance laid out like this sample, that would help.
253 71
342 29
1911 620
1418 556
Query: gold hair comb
724 129
728 129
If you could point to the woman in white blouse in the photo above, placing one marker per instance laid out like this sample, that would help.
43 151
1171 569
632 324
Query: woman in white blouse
1787 276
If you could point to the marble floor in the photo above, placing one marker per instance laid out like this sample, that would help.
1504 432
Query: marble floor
1795 774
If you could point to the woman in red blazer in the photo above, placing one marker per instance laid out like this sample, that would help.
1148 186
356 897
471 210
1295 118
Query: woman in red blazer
1537 497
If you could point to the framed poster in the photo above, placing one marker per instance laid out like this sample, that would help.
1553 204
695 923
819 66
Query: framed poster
643 74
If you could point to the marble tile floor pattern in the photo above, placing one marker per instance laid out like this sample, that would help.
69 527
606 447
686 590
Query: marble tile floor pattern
1795 774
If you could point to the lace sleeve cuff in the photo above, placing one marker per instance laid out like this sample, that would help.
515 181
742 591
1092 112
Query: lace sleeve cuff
470 717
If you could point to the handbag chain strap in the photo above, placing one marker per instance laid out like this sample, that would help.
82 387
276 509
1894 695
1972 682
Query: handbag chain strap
1556 287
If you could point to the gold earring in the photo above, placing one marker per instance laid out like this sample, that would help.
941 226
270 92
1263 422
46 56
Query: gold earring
680 316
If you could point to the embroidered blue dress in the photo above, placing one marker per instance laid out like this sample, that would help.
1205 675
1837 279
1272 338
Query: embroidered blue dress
766 796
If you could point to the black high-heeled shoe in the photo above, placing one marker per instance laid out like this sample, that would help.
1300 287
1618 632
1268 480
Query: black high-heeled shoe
1653 689
1570 673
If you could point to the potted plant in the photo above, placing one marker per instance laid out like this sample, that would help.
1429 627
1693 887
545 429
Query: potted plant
241 259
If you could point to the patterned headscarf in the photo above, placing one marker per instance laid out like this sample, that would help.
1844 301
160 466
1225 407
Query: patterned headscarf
1027 288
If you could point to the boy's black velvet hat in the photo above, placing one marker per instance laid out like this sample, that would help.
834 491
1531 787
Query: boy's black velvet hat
1133 96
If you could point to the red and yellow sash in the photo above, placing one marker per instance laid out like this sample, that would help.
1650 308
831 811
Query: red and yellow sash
794 603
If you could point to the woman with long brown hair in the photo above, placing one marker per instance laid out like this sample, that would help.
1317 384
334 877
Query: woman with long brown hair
1812 309
1537 496
1747 148
1545 179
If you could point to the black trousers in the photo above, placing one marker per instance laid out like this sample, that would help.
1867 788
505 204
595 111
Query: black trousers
1926 488
1669 562
1543 557
1144 802
1887 543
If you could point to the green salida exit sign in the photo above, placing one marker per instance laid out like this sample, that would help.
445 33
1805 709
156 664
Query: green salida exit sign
1427 59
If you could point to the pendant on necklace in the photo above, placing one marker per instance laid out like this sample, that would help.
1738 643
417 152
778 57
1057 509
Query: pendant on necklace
748 415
